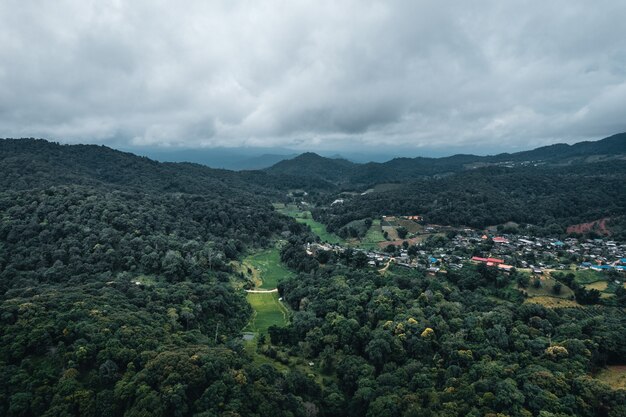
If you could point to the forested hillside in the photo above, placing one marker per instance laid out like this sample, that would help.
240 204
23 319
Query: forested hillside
406 344
346 174
28 163
121 295
548 197
115 287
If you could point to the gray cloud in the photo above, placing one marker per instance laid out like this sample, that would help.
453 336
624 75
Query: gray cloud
313 74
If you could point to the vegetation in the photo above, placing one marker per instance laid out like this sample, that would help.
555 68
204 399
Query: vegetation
406 344
268 311
268 268
115 292
305 217
549 198
119 295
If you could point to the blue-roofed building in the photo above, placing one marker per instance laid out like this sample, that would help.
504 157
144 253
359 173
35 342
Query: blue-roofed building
602 267
432 260
623 260
558 243
586 265
621 268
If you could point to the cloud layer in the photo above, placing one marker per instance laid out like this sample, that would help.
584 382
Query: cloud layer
313 74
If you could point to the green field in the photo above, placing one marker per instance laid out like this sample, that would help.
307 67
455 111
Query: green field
546 289
587 276
304 217
373 236
267 268
319 229
268 311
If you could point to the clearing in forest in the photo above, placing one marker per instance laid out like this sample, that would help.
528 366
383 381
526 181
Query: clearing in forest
268 311
266 268
373 236
305 217
552 302
614 376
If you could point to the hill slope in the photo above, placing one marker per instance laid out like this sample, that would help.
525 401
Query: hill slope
408 169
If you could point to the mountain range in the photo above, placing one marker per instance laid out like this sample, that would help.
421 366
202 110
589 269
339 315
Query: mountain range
342 171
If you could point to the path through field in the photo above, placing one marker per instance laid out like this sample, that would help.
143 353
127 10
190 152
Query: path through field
264 299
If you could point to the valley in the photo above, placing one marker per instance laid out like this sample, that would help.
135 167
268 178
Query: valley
176 289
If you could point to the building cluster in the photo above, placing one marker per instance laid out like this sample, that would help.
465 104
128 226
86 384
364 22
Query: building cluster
503 252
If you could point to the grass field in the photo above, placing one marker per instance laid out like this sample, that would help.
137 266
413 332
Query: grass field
547 284
552 302
614 376
587 276
319 229
546 297
268 311
410 225
373 236
304 217
267 268
598 285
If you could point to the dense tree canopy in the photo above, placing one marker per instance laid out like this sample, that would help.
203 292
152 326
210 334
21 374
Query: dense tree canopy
118 297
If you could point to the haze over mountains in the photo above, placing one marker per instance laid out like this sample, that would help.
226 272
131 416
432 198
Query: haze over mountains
252 158
307 168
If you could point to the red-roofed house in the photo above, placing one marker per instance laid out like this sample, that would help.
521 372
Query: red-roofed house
478 259
495 260
500 240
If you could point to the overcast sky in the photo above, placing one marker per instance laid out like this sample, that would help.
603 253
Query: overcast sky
311 75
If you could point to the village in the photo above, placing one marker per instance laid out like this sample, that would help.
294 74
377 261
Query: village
449 249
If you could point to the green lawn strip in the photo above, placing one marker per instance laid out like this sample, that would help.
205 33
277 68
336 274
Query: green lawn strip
305 217
269 270
268 311
320 230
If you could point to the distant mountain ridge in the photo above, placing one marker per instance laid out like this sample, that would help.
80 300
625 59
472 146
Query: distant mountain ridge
31 163
341 171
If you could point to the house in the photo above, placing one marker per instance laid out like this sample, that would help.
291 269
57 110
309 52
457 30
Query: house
495 260
487 261
499 239
479 259
414 218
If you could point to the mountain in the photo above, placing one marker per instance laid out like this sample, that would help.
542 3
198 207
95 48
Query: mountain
316 166
609 148
30 163
342 172
122 290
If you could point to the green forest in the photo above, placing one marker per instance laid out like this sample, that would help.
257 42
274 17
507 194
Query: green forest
122 295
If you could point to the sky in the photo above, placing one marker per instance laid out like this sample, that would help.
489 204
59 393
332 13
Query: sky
412 76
